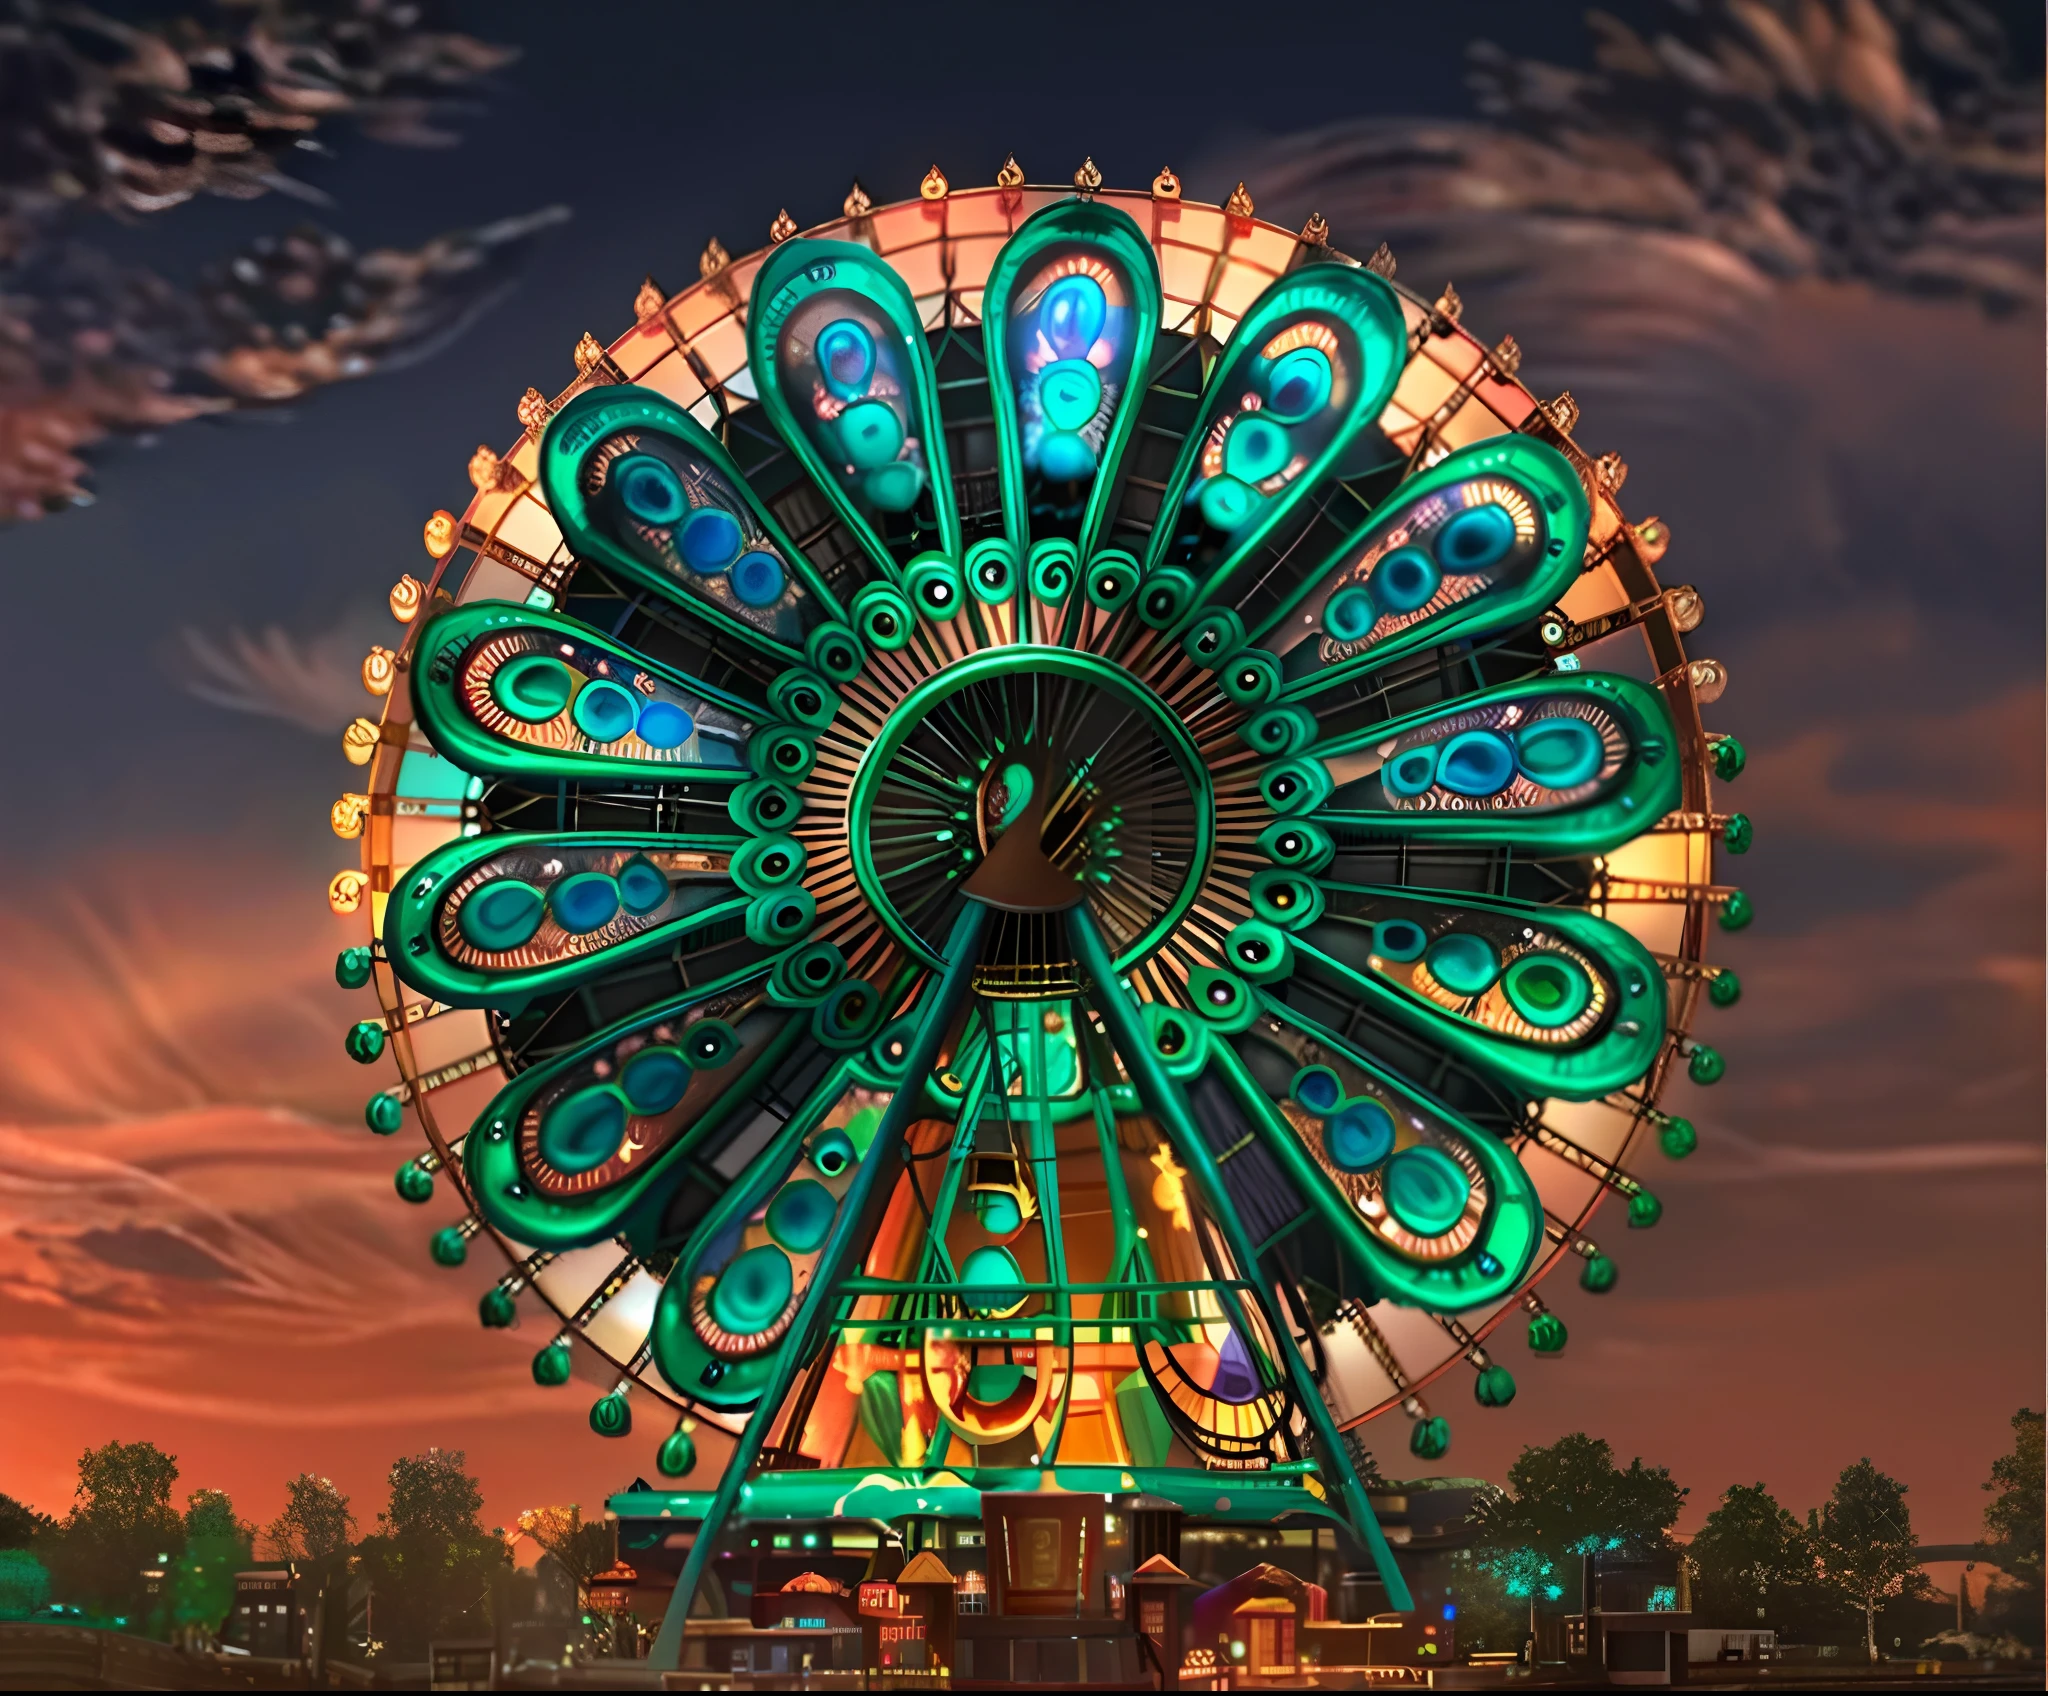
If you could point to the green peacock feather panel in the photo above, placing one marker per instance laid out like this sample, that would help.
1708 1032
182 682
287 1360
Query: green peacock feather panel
1042 831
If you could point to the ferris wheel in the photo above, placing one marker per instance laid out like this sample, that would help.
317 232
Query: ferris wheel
1040 832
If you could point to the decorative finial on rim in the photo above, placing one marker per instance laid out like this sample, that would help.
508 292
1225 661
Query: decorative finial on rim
1448 304
1381 264
439 534
346 817
589 352
489 473
783 228
856 204
1012 173
533 405
409 593
713 259
1709 680
345 892
934 186
380 670
1507 358
648 301
1316 232
1166 186
1563 413
1089 177
1239 205
359 741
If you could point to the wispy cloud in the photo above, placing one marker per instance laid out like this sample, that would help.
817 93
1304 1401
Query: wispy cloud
176 975
1742 1159
312 682
243 1286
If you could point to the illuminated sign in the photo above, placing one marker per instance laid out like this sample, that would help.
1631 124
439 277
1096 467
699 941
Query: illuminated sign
878 1596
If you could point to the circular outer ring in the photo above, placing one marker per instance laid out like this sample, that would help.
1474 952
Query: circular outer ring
966 264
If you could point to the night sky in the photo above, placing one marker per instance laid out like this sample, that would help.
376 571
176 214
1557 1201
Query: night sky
198 1241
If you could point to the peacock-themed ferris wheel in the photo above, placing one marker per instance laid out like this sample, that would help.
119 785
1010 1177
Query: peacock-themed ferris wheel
1040 839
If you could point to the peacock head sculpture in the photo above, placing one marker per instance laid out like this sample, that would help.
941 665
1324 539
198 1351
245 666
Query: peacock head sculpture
1041 840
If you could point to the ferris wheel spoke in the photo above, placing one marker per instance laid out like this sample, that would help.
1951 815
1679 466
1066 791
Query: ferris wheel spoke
1482 542
839 356
490 920
1073 305
1310 367
1428 1209
1553 1000
1570 764
572 1144
512 691
638 484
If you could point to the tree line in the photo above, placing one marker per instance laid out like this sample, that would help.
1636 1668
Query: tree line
126 1557
1753 1564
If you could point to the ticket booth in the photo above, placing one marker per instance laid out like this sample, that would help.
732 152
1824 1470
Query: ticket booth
1153 1596
907 1623
1044 1551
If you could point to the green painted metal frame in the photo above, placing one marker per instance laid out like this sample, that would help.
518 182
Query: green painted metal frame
674 1343
1630 805
884 1159
457 736
1168 1105
596 414
411 919
1553 486
1021 659
1513 1206
790 277
1371 311
1610 1057
889 1495
490 1154
1115 235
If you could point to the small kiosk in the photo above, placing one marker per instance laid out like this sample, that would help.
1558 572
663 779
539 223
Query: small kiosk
907 1623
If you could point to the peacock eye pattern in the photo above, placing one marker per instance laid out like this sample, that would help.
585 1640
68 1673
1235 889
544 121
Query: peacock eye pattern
989 867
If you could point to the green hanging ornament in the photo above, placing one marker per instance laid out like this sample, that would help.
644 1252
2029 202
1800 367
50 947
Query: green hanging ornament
551 1365
1430 1439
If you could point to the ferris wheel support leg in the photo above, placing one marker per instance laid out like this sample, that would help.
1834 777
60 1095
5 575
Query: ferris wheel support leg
963 952
1163 1097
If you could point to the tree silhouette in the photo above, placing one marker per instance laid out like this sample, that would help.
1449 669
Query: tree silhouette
1567 1501
315 1523
121 1522
1749 1548
21 1525
201 1580
1863 1545
430 1560
2013 1530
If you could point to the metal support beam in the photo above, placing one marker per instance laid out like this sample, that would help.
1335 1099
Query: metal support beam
963 950
1163 1096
